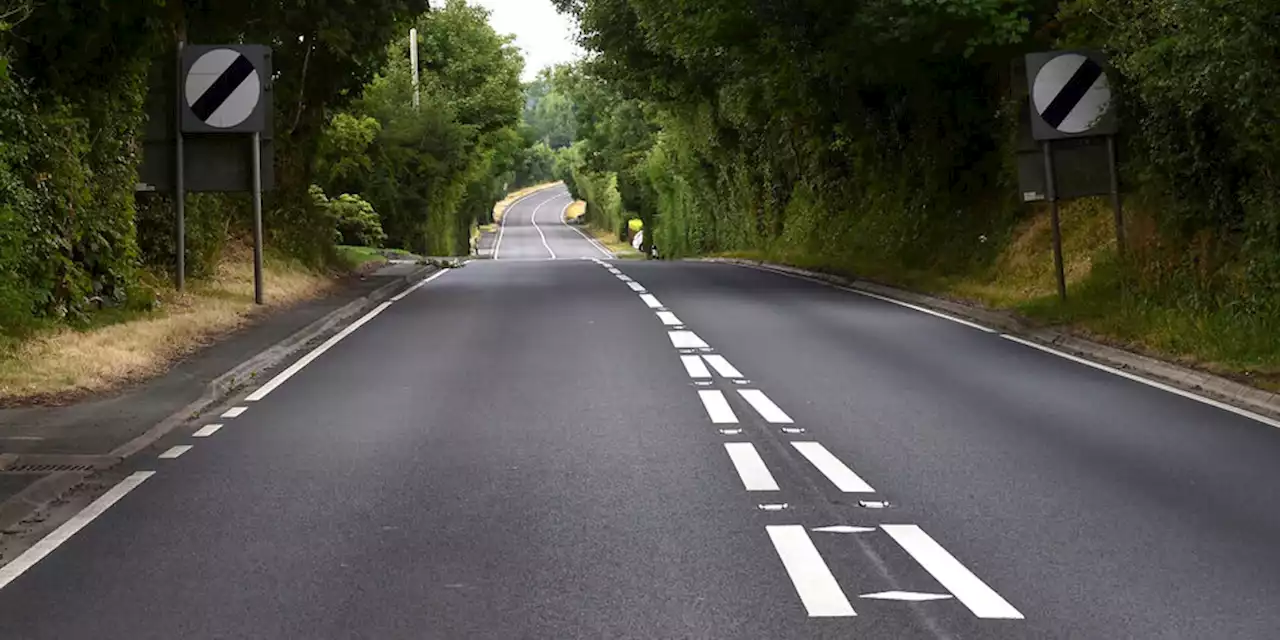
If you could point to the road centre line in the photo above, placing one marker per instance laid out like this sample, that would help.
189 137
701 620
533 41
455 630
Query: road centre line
817 588
717 407
722 366
534 219
294 368
695 367
669 318
502 225
636 286
1244 413
765 407
47 544
234 412
206 431
982 600
837 472
686 340
175 451
750 467
651 301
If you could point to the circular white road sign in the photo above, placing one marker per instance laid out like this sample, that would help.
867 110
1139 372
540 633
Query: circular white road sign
1071 93
223 88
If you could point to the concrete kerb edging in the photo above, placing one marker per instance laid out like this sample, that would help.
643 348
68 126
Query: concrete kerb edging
1207 384
53 486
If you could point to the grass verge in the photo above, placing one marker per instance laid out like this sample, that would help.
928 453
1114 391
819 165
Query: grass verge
501 207
360 259
65 363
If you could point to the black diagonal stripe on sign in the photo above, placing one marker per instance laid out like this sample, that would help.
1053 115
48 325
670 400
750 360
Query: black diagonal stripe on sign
221 89
1072 92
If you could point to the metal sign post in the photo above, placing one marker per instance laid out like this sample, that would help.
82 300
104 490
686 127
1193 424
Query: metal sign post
1051 192
257 217
179 186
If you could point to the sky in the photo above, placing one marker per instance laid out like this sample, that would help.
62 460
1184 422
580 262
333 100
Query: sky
545 37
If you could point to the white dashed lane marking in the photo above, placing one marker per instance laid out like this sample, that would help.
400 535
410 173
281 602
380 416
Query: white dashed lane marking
717 407
982 600
817 588
750 466
176 451
206 431
625 278
234 412
722 366
669 318
840 475
651 301
695 367
636 286
686 340
765 407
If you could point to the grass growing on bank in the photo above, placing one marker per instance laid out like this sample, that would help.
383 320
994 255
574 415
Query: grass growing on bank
360 258
1100 306
63 363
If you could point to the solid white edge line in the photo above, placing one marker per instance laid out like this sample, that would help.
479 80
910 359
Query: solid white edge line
900 303
502 224
534 219
234 412
750 467
722 366
694 366
830 466
686 340
669 319
771 412
401 296
817 588
206 431
175 451
592 241
1244 413
294 368
717 407
651 301
46 545
982 600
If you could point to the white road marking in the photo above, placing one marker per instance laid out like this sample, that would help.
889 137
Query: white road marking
817 588
651 301
595 243
685 340
502 225
750 466
47 544
206 431
906 596
1244 413
722 366
614 271
843 528
773 507
730 432
669 318
695 367
534 219
982 600
636 286
765 407
840 475
400 296
718 407
625 278
175 451
234 412
294 368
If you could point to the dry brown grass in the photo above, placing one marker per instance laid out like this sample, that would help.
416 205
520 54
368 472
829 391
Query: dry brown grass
575 210
69 362
501 207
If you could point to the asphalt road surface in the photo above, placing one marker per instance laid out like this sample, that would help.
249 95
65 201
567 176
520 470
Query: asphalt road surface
585 448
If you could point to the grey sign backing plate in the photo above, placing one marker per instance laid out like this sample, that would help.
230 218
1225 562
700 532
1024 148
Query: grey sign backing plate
225 88
1070 95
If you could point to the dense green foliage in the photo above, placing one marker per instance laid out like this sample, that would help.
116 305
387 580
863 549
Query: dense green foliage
877 137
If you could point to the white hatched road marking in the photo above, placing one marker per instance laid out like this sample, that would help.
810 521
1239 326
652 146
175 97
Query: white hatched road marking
234 412
695 367
840 475
47 544
206 431
718 407
723 367
686 340
669 318
176 451
817 588
651 301
636 286
750 466
982 600
765 407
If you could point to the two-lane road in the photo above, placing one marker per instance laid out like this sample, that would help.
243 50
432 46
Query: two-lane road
587 448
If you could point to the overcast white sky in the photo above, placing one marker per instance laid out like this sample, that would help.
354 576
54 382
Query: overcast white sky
546 37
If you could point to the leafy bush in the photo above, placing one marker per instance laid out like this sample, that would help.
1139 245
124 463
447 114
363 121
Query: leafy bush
355 221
